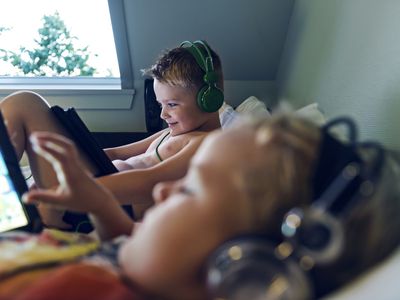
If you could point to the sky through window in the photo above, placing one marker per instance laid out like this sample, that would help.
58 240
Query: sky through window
88 20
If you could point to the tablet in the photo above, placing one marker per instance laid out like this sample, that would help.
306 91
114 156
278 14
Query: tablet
84 139
14 214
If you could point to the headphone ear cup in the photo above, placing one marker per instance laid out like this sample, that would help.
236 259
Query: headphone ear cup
210 98
248 268
314 233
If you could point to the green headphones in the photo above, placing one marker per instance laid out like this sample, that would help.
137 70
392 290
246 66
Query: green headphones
209 98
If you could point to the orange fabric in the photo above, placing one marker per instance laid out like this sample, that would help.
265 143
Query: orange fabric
74 281
13 285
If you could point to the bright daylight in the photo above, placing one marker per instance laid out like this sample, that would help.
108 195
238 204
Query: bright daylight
75 38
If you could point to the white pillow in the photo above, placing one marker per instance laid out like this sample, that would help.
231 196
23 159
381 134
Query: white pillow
381 282
227 115
312 113
253 106
250 106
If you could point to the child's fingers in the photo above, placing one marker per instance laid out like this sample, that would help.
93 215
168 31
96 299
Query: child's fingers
51 136
42 196
57 150
51 151
55 142
56 159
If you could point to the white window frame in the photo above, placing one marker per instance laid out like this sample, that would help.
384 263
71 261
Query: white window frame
85 85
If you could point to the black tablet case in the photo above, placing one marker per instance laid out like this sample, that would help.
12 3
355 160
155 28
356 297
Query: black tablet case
84 139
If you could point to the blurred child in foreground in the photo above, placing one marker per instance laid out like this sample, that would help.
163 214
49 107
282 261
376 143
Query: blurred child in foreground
242 180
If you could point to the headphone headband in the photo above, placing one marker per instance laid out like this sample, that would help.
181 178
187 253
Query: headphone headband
334 157
317 231
209 98
204 60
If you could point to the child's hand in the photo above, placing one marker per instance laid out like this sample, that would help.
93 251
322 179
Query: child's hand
77 190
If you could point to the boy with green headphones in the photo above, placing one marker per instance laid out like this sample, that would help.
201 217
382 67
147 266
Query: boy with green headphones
188 83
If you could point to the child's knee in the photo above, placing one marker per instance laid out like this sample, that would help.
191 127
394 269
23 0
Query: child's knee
24 100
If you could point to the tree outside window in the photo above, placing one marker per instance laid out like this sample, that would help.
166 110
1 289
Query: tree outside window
55 52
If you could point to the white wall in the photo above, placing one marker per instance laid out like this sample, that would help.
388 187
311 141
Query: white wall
345 55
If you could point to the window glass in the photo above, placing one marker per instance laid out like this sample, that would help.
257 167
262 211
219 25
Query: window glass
57 38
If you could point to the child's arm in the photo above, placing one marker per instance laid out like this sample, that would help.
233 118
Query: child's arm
126 151
159 257
137 185
77 190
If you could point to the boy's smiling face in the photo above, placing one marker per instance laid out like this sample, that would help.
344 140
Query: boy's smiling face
179 108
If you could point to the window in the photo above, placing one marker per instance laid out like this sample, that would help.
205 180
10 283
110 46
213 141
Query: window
63 44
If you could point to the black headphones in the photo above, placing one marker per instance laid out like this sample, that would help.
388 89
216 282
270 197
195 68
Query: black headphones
209 98
252 267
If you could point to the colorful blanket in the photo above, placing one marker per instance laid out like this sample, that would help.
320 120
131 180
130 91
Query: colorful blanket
21 251
60 265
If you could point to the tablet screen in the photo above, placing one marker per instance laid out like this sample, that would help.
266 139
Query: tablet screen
12 213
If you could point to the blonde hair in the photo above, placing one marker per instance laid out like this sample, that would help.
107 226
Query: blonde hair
178 67
289 146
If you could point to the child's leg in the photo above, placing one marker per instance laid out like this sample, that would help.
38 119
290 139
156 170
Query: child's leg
24 113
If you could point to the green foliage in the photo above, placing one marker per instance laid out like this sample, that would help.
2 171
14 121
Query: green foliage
3 29
54 53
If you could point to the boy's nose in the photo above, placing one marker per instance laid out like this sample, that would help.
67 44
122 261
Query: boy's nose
164 115
162 190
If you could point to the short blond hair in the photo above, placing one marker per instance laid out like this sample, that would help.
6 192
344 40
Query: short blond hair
178 67
282 177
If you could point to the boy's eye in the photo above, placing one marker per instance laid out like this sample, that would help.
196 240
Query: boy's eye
169 105
185 190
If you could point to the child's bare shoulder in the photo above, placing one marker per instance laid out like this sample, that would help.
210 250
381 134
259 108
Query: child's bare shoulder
193 136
